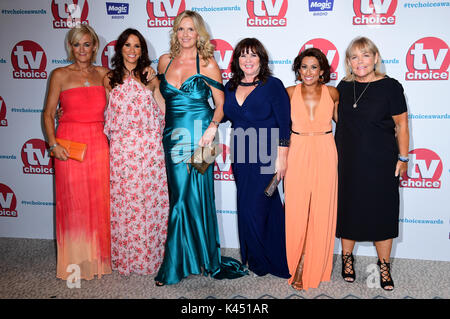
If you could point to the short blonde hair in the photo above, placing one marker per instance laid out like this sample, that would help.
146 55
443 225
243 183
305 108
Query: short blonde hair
75 34
363 44
204 46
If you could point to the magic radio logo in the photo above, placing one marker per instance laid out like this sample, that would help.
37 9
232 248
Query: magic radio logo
8 202
3 120
223 53
107 54
329 49
69 13
267 13
222 166
28 60
161 13
428 59
36 158
374 12
424 170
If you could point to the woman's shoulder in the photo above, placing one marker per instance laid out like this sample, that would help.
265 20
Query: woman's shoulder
163 62
334 93
391 81
60 74
274 81
101 70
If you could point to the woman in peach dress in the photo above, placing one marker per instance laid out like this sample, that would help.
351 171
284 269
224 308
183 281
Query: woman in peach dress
311 176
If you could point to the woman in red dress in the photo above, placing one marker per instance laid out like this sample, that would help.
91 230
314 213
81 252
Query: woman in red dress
82 188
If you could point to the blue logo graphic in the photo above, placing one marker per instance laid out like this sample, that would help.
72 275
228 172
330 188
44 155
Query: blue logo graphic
114 8
320 5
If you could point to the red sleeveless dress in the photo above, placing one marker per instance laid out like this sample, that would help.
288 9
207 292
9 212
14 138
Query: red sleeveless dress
82 189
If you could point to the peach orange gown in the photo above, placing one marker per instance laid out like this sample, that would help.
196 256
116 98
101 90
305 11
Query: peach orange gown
311 192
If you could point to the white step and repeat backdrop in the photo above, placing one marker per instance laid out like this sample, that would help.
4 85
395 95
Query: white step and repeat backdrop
412 35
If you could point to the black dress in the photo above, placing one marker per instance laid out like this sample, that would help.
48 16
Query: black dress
368 195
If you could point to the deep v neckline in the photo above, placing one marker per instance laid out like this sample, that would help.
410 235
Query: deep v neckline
317 106
193 75
246 98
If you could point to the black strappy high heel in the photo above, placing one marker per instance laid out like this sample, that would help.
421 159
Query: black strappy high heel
385 275
348 273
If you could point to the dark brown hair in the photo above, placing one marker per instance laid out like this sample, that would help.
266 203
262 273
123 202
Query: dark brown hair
321 58
257 47
117 73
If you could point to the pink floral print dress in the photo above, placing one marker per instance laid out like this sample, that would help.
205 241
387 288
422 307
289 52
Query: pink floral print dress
139 196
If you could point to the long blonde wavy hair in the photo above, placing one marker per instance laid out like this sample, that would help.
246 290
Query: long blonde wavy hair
363 44
204 46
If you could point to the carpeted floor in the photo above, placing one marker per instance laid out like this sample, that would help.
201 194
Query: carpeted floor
27 270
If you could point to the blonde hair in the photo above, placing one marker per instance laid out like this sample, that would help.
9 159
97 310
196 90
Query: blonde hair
363 44
75 34
204 46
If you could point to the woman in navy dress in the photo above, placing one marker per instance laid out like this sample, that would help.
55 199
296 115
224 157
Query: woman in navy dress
258 107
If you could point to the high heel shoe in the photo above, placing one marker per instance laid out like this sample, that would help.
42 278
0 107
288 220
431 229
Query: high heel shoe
385 275
348 273
159 284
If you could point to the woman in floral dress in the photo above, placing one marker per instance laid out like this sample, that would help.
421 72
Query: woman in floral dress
134 124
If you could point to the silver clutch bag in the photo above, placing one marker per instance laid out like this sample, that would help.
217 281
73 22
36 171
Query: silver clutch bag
270 189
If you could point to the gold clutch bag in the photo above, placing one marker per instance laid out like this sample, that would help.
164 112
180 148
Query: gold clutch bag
270 189
76 150
204 156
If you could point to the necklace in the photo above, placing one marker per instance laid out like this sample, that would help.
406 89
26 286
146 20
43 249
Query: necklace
355 105
87 83
254 83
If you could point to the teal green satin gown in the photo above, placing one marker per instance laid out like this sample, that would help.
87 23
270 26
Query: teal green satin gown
192 245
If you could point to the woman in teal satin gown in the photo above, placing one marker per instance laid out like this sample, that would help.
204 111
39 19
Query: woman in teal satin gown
192 245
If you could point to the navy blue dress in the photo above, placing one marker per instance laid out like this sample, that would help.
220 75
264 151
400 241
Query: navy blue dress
258 125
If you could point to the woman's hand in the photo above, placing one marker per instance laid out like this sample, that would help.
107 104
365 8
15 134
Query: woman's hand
59 152
208 136
401 168
151 74
281 162
59 113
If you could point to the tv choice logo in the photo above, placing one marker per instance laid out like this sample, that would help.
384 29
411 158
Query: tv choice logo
162 13
107 54
321 5
428 59
68 14
223 53
329 49
8 202
36 158
28 60
222 165
374 12
115 8
3 120
424 170
267 13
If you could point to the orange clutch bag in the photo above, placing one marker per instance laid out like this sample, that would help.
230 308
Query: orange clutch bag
76 150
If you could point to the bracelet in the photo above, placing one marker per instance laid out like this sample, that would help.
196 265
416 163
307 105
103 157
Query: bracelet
284 142
216 123
52 147
403 159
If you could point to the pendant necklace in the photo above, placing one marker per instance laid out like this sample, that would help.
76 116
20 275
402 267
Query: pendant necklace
355 105
87 83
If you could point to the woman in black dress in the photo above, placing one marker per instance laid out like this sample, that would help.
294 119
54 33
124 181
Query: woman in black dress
372 138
